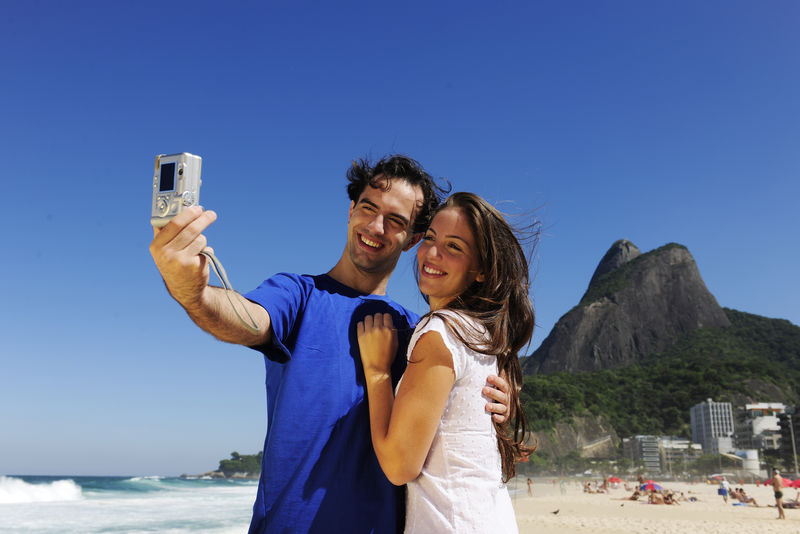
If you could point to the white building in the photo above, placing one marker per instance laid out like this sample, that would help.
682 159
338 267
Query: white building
757 425
712 426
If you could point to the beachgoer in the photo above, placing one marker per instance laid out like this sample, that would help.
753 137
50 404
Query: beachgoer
724 489
633 497
474 274
794 503
777 487
742 496
530 489
318 470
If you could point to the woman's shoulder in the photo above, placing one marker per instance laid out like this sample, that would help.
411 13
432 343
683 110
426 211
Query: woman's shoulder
456 321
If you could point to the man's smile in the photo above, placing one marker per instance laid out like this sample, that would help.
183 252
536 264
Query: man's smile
369 242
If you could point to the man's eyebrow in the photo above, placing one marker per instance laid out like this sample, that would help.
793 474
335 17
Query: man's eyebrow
403 218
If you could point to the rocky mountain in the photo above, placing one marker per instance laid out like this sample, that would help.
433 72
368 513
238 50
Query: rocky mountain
636 305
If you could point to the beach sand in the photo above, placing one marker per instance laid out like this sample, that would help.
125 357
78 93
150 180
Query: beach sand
606 514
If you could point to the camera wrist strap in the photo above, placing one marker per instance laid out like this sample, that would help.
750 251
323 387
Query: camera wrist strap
219 270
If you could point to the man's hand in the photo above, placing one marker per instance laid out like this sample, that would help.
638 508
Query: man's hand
176 251
497 390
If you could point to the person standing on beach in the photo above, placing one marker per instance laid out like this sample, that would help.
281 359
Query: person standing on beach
777 487
319 471
724 489
429 431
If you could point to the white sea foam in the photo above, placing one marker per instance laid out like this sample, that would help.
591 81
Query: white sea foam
179 507
14 490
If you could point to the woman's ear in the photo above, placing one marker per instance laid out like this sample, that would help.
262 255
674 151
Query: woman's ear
480 278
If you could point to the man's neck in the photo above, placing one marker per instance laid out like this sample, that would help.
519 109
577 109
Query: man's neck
348 274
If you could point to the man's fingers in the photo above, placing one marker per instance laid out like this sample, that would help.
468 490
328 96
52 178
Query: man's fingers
386 319
498 396
197 246
499 382
176 224
185 227
189 233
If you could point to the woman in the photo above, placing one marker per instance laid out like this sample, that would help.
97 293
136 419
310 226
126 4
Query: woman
433 435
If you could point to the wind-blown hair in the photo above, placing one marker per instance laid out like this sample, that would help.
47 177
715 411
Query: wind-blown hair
502 305
362 173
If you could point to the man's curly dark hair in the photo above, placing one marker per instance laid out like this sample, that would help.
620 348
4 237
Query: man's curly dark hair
362 174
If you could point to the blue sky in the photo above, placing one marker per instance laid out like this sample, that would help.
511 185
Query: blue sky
652 121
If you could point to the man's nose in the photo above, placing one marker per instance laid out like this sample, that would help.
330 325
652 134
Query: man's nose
376 225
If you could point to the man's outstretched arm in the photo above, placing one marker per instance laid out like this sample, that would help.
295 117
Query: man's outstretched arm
176 249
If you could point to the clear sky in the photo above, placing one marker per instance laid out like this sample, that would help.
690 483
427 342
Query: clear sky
653 121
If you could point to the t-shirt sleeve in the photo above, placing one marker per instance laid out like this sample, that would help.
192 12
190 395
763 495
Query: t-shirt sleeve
451 342
283 296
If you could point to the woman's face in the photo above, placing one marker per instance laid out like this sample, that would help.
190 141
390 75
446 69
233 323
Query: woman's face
447 258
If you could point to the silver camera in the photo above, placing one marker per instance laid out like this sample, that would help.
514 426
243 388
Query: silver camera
176 185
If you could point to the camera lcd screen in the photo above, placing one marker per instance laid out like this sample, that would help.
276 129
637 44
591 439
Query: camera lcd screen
167 181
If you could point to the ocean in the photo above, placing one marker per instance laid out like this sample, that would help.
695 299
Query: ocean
127 505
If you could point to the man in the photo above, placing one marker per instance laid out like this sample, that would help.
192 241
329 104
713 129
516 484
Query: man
724 489
319 472
777 487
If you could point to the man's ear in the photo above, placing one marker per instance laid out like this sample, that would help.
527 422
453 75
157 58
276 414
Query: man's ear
480 277
413 241
350 212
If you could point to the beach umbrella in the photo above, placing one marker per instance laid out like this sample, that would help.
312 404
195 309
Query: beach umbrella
650 485
787 483
617 480
793 484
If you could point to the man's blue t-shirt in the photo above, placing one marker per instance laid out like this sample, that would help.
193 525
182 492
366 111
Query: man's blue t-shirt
319 472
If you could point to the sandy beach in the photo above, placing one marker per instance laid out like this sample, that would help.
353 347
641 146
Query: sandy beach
607 514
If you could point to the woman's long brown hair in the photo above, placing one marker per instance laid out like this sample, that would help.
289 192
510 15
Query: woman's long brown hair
502 305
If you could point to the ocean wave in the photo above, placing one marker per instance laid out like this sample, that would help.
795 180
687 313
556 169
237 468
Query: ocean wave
14 490
156 478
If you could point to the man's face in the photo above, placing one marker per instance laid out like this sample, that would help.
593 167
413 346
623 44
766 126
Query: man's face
379 226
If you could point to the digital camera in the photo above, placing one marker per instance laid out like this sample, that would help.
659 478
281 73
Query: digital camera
176 185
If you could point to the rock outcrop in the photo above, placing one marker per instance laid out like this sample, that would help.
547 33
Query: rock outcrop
591 436
636 304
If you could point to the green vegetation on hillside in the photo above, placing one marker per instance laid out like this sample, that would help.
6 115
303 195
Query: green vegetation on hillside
654 397
247 464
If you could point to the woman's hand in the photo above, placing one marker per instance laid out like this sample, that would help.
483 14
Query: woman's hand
377 342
